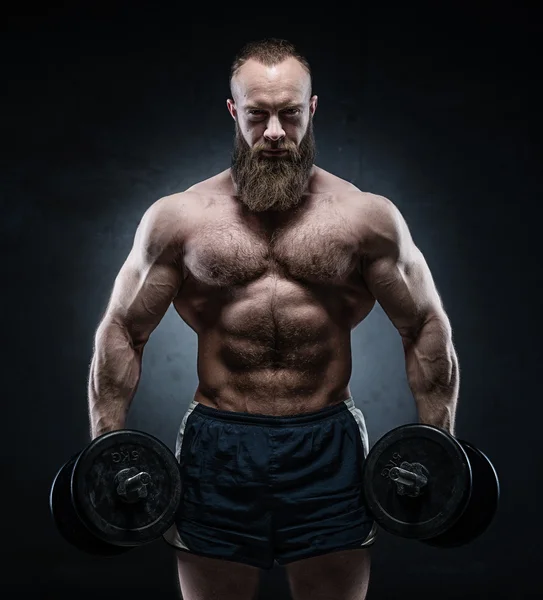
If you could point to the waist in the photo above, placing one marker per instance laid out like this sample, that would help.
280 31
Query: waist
272 400
271 420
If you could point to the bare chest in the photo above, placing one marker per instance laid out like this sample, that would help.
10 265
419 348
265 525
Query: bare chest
318 246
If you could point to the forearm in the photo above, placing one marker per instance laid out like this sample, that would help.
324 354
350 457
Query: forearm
432 372
113 379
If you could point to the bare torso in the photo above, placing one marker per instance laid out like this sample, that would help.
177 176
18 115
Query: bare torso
273 298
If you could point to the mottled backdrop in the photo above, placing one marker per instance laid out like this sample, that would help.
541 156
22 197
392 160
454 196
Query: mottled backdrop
106 109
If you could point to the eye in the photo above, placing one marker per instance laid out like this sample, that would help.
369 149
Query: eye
255 112
291 112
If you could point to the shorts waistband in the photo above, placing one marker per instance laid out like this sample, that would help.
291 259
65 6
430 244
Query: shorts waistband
272 420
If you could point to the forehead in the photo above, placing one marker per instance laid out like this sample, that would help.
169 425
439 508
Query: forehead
256 83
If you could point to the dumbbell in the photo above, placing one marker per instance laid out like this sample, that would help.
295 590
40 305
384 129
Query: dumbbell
422 483
122 491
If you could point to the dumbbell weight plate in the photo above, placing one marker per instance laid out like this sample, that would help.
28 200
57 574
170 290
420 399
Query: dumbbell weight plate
442 500
482 506
95 482
68 524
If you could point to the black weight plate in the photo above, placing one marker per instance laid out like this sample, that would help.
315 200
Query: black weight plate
66 520
441 501
482 505
95 497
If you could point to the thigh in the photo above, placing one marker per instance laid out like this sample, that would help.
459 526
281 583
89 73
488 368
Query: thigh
203 578
340 575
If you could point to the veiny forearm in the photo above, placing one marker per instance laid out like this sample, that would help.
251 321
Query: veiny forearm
432 372
114 376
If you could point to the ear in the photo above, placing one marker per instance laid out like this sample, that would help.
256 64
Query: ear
313 104
231 105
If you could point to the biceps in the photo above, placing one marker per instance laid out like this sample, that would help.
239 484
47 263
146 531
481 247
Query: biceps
141 296
405 290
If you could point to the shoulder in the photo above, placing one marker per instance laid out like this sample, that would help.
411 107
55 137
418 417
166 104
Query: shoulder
186 205
374 210
373 214
167 222
367 205
176 215
170 210
371 210
378 221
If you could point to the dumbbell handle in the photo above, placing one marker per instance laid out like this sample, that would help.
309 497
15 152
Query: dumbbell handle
408 478
132 486
135 482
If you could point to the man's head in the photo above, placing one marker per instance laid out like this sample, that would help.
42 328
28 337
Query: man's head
273 107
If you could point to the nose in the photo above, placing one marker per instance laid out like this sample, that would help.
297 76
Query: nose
274 132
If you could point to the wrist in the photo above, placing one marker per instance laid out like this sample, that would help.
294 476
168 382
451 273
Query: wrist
103 427
442 419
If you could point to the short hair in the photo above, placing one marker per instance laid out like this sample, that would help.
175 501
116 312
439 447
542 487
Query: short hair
269 52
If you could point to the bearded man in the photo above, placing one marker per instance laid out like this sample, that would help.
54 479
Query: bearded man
272 263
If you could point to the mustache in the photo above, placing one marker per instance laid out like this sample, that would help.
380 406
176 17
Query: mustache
292 150
264 146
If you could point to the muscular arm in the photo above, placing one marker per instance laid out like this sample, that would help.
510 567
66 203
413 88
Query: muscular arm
144 288
397 275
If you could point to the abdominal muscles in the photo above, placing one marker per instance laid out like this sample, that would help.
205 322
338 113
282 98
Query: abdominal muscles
275 347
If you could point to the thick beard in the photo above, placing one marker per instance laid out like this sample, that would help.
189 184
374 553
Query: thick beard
276 182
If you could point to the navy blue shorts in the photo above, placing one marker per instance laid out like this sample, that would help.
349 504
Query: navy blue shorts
260 489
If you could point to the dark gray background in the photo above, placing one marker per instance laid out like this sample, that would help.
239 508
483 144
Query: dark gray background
107 109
